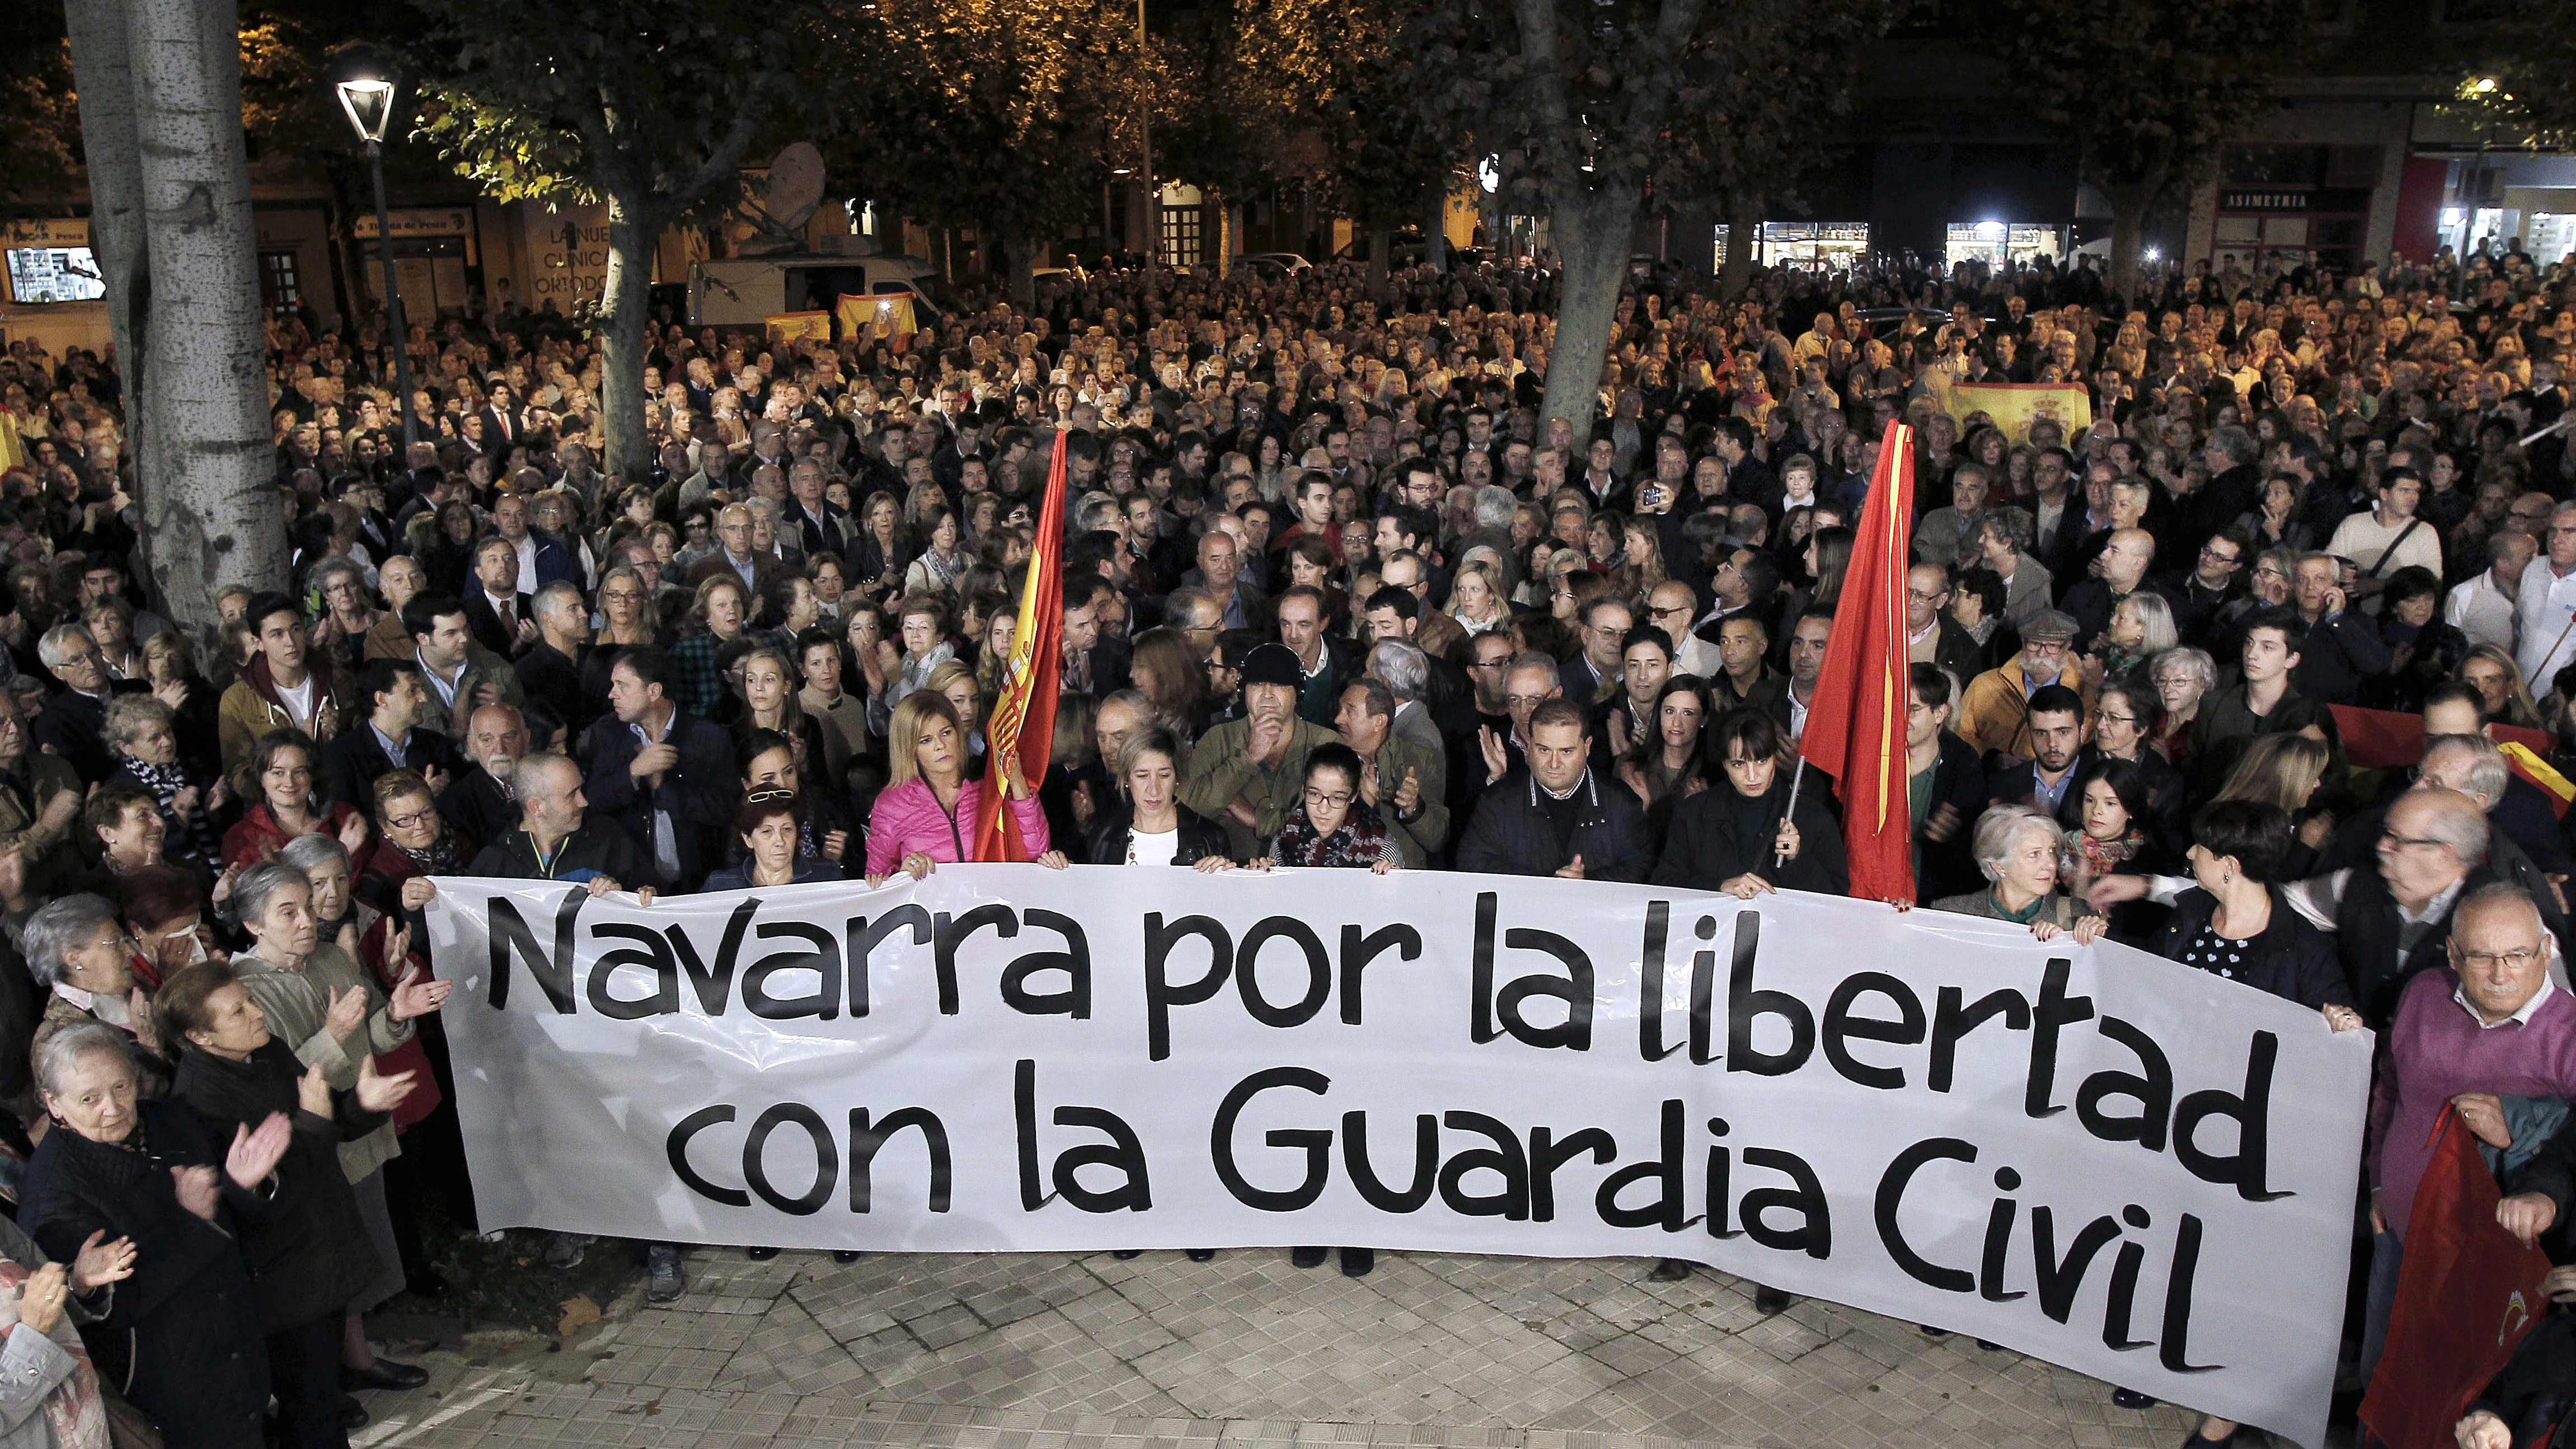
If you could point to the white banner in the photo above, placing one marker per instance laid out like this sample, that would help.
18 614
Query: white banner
2118 1164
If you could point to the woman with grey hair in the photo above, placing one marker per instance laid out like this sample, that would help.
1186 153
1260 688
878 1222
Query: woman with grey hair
2003 541
79 952
134 1196
143 736
324 1005
2181 678
2017 848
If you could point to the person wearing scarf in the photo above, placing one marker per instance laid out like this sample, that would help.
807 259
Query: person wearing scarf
1332 826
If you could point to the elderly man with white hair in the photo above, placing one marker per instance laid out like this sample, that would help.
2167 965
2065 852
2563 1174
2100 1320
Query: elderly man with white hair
2486 1025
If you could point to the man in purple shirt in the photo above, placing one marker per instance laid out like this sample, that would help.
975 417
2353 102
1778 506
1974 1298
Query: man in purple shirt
2489 1025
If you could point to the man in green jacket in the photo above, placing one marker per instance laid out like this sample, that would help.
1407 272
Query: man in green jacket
1248 773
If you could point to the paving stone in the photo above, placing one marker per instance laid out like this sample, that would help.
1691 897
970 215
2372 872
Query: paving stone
1055 1351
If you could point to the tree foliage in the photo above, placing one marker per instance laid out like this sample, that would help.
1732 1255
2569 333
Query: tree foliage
1006 115
39 120
1347 105
645 106
2148 93
1598 103
2519 88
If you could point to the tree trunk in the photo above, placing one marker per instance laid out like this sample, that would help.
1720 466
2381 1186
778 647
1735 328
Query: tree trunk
350 195
2128 239
103 69
1591 231
1436 235
624 300
1020 257
1221 253
1743 222
1381 242
1742 231
212 514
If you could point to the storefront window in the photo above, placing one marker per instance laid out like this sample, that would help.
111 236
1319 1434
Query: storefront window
1806 246
1995 242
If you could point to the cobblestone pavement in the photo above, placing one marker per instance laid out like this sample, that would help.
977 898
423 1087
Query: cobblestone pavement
1043 1351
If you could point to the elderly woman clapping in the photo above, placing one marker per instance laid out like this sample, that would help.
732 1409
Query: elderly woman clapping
183 1317
311 1253
2017 847
78 950
337 1020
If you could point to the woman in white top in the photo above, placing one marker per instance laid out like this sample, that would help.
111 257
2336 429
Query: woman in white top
1151 826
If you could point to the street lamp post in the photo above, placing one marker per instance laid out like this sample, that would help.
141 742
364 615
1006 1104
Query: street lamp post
370 105
1145 134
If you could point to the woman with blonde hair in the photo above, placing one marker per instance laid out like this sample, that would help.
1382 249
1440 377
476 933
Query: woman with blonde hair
1000 629
955 682
928 810
2500 684
2282 770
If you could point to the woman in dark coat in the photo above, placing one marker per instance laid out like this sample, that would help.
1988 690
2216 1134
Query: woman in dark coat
1149 825
309 1254
1734 837
2235 924
181 1337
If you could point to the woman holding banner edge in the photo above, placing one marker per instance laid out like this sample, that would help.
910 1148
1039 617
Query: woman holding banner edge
926 813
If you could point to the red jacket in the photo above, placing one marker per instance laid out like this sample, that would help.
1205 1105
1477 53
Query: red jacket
257 836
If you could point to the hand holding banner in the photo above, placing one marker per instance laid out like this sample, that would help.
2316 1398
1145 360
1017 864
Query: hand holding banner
2120 1164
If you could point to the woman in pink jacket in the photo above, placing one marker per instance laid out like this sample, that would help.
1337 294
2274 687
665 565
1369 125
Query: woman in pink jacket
927 814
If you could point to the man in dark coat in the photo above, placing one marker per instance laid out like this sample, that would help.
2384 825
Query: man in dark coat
662 772
391 692
550 672
1557 817
557 840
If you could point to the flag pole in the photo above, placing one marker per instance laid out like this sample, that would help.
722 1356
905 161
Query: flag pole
1779 859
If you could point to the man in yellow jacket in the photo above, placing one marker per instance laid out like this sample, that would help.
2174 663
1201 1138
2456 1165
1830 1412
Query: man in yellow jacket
1994 713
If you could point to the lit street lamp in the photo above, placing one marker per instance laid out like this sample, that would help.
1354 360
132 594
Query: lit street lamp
370 105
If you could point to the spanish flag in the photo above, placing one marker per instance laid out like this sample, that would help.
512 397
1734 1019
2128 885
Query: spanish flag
1023 719
1856 724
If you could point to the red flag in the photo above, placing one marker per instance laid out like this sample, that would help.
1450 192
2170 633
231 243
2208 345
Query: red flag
1023 721
2466 1295
2380 739
1856 726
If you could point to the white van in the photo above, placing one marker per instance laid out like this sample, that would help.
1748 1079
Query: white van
746 291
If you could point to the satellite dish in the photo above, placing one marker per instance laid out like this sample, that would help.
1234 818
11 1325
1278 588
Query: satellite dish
782 203
795 186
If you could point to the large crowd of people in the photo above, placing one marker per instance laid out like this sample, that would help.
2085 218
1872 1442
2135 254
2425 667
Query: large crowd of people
1335 594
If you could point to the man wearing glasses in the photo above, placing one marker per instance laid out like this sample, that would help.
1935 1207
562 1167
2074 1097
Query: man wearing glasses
1931 635
2547 603
2485 1026
2216 579
2389 923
